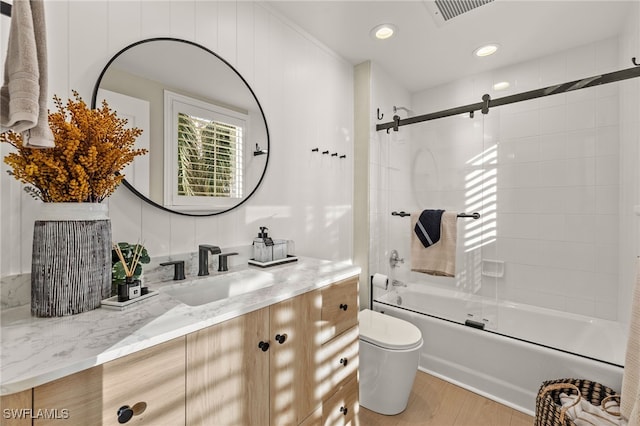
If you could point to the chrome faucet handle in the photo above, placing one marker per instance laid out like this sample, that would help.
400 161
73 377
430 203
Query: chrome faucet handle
203 257
394 259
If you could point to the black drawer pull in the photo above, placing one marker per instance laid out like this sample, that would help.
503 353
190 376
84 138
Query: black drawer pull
343 306
344 410
124 414
280 338
264 346
344 361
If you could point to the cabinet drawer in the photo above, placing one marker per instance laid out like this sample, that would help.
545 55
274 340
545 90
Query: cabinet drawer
339 307
342 407
338 359
150 381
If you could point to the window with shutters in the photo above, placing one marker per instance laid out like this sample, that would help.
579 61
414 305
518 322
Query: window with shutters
205 149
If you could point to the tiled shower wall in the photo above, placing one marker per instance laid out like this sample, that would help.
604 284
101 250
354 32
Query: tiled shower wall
555 180
305 90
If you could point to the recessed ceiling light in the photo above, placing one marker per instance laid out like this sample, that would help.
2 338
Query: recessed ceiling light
502 85
486 50
383 31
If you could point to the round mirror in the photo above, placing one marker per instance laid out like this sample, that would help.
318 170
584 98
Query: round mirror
203 126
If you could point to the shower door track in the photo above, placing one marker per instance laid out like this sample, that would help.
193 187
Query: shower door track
487 102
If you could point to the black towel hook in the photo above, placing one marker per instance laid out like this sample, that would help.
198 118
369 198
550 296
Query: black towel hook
635 62
380 116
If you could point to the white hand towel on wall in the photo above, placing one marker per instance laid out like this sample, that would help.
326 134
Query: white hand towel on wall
439 258
23 96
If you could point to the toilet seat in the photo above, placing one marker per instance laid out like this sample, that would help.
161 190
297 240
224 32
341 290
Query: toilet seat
387 331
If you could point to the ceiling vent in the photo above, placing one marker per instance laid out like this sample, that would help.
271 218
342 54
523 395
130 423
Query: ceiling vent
444 10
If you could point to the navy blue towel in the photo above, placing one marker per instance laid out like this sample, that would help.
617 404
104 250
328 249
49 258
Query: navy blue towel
427 227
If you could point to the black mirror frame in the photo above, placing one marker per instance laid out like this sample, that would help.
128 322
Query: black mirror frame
264 118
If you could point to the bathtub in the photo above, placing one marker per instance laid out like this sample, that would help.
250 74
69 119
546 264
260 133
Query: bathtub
520 346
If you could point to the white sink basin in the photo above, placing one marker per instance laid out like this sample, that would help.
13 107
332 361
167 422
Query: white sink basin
213 288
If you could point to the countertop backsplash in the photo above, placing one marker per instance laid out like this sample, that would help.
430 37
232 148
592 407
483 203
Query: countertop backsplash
154 273
15 290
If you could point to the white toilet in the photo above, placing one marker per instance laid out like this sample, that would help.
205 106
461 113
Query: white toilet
389 355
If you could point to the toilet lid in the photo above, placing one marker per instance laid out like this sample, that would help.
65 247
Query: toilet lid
387 331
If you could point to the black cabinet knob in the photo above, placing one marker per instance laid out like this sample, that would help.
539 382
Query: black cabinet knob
343 306
280 338
344 410
124 414
344 361
264 346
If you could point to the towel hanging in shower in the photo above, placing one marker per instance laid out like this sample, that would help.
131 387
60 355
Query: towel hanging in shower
440 257
427 227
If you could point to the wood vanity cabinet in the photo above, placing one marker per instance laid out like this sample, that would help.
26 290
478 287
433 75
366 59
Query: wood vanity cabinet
278 366
256 369
228 372
16 409
292 363
150 383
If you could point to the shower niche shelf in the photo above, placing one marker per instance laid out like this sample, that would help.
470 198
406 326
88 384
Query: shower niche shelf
492 268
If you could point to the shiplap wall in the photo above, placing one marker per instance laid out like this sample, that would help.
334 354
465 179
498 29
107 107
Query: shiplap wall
306 92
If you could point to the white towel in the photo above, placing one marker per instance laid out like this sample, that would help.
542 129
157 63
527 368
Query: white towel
583 413
23 96
439 258
630 395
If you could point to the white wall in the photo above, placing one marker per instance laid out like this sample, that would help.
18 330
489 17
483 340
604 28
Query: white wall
306 92
559 178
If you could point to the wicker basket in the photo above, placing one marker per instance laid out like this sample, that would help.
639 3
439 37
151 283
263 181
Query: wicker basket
548 407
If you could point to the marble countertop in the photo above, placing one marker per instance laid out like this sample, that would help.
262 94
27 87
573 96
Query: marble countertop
34 351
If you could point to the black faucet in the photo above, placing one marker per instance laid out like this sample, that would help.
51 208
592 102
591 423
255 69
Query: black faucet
222 261
203 257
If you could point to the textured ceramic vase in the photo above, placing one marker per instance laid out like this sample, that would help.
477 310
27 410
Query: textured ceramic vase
71 260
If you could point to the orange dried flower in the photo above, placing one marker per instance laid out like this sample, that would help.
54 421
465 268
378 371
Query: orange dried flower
91 147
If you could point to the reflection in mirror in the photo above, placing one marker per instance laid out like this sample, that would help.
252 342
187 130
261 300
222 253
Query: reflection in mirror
201 121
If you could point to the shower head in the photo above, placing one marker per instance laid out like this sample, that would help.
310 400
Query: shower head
407 110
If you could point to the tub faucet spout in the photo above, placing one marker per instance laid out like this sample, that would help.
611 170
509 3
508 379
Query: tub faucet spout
398 283
203 257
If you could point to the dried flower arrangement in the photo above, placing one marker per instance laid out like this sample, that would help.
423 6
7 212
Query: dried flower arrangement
92 147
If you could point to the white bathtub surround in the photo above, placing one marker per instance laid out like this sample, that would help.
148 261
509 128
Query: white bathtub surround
630 400
544 174
543 344
34 351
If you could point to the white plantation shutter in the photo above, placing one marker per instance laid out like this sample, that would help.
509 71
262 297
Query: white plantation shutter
209 158
204 153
